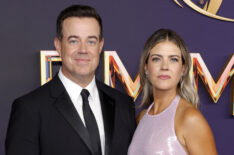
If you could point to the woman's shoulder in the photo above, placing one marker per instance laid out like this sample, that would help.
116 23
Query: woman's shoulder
193 130
190 120
188 113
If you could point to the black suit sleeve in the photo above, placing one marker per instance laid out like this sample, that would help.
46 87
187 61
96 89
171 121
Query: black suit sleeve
133 112
23 131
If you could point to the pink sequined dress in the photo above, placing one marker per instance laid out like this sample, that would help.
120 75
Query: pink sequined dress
155 134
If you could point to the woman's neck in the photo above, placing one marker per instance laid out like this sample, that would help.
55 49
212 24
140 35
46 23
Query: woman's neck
162 99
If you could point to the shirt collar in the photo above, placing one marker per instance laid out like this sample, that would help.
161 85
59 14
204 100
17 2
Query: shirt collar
74 89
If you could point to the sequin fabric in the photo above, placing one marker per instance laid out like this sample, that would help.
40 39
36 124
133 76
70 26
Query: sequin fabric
155 134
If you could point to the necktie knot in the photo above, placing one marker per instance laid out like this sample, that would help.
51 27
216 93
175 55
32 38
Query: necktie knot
85 94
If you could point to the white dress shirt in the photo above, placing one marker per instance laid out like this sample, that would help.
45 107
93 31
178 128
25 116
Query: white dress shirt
74 91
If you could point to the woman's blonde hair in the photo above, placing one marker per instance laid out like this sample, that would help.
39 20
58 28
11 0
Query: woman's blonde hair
185 88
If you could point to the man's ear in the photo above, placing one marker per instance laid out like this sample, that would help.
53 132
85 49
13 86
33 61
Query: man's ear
101 43
57 45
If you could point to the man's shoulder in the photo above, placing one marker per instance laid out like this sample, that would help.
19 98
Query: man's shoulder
40 93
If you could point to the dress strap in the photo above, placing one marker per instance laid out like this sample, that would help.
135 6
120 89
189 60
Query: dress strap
149 107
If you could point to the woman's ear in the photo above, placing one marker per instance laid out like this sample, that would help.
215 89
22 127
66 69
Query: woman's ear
183 69
146 69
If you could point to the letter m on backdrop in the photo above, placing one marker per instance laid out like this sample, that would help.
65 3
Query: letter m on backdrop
114 67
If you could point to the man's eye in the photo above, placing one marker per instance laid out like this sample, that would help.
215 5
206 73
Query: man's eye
72 41
92 42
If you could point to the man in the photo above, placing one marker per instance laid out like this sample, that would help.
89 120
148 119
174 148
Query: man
74 113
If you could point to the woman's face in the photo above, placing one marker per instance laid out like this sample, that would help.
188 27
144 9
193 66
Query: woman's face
164 66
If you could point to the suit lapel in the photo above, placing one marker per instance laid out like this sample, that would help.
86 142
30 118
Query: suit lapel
65 106
108 112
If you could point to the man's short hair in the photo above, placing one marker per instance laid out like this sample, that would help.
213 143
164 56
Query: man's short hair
77 11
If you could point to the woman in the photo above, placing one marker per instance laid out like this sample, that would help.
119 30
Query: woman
171 125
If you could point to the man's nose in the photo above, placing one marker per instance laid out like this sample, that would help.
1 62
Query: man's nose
83 47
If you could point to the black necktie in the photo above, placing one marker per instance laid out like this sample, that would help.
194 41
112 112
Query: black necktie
91 124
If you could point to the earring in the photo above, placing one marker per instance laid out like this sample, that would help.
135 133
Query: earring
146 74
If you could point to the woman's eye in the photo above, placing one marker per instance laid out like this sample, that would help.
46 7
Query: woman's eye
174 60
155 59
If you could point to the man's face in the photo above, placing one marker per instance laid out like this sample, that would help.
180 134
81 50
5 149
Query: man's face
79 48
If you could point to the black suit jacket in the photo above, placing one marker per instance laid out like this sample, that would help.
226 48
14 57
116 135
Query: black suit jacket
45 122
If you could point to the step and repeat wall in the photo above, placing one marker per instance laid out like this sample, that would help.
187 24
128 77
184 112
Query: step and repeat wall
29 59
